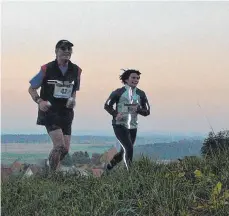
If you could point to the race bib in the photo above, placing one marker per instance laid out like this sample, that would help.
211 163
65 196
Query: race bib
127 108
62 91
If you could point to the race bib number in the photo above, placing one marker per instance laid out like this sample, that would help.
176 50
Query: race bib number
127 108
61 91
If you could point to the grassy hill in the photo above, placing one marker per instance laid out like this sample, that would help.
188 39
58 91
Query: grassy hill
193 186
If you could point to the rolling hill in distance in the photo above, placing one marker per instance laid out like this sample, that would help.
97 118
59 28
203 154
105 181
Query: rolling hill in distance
161 146
99 139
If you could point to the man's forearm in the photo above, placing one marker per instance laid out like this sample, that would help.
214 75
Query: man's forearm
34 95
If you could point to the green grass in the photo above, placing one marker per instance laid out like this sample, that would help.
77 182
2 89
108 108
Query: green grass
194 186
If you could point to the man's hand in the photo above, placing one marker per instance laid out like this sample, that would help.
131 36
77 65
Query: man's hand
71 103
44 105
119 116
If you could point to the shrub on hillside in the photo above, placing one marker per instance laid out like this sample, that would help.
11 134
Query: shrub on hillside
67 161
81 158
215 144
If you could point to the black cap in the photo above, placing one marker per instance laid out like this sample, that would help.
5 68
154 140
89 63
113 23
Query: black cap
64 43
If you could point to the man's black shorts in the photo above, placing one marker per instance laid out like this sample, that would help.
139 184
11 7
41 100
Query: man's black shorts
56 119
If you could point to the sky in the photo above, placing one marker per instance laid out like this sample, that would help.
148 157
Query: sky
181 49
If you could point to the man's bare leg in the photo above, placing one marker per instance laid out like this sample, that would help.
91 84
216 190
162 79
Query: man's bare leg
59 150
67 140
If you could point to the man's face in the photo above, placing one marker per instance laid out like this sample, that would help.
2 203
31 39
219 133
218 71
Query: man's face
64 52
133 80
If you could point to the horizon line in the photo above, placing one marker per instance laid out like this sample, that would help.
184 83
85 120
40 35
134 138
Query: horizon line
110 134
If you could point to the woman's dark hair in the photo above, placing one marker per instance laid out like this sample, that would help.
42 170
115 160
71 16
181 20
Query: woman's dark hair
126 74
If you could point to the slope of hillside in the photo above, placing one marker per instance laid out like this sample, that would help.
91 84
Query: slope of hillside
193 186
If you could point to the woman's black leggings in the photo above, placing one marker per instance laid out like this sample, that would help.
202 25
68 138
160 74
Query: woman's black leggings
126 138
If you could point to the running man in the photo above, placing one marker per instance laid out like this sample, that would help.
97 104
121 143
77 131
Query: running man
58 81
130 101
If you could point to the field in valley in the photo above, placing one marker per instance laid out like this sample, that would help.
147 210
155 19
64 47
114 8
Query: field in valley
32 152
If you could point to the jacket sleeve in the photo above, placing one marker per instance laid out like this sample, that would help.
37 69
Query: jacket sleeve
110 103
144 108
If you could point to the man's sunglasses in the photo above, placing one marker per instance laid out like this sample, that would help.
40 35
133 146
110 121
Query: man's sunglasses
64 48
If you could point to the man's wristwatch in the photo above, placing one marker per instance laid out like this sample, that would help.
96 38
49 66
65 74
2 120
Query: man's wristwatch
38 100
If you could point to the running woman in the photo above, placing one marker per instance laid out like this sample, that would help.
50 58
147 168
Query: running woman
130 101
